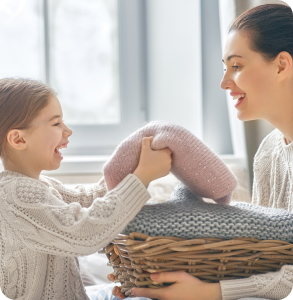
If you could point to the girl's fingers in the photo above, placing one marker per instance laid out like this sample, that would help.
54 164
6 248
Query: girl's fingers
146 142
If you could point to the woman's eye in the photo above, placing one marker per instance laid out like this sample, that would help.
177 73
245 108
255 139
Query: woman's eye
56 124
236 67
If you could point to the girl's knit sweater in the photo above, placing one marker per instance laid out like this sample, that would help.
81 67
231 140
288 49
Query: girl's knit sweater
44 227
272 187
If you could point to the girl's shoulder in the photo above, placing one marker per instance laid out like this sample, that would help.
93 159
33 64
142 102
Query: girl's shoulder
22 189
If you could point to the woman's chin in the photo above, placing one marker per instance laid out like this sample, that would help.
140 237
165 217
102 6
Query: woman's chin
242 116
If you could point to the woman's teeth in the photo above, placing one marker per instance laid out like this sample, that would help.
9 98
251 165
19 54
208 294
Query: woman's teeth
236 97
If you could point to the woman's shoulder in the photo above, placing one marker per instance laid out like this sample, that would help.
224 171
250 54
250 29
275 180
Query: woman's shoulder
269 143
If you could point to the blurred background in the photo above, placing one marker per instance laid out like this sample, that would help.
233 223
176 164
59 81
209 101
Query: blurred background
116 65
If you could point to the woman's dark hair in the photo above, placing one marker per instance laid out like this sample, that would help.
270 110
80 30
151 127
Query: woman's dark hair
269 28
21 100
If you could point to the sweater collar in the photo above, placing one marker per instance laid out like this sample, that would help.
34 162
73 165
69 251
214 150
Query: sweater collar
7 173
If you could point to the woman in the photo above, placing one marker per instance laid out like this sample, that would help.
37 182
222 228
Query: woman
259 75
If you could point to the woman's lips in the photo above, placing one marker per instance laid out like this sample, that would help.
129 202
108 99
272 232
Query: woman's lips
239 101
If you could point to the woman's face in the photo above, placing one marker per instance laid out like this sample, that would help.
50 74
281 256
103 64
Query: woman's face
248 74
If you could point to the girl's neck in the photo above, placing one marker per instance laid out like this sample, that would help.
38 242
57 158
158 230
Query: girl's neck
10 166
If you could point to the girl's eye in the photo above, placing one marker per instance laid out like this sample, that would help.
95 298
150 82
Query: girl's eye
56 124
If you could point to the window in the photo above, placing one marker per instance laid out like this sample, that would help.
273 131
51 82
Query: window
91 53
116 65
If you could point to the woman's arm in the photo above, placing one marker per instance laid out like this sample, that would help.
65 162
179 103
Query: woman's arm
185 287
272 285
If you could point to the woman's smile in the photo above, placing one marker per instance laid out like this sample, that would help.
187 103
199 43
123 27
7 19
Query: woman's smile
247 72
238 96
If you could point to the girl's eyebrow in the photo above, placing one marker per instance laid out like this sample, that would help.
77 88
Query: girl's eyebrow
55 117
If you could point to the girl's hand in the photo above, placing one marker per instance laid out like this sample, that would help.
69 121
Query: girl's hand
152 164
185 287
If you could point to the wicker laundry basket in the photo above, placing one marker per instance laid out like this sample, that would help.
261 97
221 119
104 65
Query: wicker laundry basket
135 256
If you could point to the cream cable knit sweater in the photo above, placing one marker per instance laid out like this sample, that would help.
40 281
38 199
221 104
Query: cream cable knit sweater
272 187
45 226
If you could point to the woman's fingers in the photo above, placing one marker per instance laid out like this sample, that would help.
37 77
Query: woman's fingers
117 292
111 277
148 293
168 276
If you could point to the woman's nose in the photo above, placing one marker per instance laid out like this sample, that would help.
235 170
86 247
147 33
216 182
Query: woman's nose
226 83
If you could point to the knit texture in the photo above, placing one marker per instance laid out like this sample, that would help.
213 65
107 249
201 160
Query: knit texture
193 163
186 215
272 187
45 226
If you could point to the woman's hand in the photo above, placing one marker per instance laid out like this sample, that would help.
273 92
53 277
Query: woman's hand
185 287
153 164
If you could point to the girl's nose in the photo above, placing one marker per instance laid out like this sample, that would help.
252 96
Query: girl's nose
68 131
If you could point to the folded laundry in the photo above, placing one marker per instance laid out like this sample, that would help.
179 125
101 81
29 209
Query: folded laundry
193 163
186 215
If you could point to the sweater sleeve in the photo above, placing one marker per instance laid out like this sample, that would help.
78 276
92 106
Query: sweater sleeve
47 224
272 285
84 196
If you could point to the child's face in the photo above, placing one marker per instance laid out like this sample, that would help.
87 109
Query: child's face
48 132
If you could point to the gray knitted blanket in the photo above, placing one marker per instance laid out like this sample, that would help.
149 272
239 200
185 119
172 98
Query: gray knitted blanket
186 215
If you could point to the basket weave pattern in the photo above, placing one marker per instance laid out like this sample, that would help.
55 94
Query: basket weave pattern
135 256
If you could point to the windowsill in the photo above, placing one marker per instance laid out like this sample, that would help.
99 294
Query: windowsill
93 164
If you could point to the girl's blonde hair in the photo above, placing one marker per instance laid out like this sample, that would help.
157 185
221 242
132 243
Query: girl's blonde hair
21 100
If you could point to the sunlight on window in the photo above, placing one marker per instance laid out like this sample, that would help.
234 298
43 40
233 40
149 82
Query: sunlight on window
82 54
21 39
84 59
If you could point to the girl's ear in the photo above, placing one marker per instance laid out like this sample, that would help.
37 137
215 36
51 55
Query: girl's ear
16 140
284 65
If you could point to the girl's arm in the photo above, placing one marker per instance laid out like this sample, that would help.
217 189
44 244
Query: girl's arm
45 223
84 196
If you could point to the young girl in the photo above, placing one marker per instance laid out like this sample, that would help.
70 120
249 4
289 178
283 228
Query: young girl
45 226
258 57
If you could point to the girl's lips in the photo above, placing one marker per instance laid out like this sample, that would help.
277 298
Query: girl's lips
59 154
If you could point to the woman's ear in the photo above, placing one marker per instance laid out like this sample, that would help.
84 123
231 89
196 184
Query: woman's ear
284 65
16 140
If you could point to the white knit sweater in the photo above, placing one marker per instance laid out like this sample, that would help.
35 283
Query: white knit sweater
272 187
45 226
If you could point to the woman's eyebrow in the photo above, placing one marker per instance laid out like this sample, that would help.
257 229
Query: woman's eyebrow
231 56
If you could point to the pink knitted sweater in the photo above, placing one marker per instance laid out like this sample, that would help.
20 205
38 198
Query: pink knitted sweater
193 163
